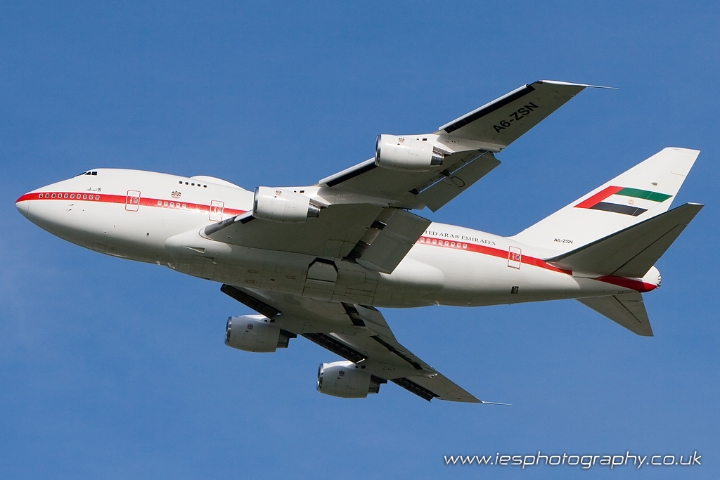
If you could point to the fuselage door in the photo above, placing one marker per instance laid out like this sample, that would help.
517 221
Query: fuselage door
132 201
216 210
514 257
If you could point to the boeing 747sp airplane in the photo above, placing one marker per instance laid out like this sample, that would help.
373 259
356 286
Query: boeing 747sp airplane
318 260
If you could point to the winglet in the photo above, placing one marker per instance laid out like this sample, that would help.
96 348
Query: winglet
483 402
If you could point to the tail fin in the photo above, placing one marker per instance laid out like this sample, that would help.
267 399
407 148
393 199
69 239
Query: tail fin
631 252
627 309
643 192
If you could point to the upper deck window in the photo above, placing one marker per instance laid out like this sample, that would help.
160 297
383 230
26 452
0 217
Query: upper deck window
193 184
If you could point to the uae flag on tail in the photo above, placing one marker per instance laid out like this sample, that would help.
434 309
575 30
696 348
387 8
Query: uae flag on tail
628 201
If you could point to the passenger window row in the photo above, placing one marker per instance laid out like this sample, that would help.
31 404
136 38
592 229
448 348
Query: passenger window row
78 196
443 243
167 204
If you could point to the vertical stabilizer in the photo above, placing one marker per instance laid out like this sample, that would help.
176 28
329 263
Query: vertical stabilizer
644 191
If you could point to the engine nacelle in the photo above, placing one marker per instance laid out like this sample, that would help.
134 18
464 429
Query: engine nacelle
403 153
283 206
254 333
347 380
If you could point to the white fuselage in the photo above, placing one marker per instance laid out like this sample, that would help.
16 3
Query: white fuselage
149 217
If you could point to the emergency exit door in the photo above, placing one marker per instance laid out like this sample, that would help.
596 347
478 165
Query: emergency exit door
514 257
216 210
132 201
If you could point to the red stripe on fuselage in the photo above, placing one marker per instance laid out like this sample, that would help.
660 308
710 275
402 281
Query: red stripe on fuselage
638 285
123 199
624 282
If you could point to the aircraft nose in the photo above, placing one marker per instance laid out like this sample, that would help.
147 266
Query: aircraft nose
23 205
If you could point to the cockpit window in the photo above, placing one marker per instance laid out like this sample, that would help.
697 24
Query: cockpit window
89 172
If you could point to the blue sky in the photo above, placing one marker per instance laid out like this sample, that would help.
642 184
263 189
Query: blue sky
114 369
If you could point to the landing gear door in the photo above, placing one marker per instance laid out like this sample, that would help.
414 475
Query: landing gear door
514 257
132 201
216 210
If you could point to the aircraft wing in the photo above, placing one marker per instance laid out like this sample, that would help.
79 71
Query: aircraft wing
469 143
504 120
362 210
375 237
357 333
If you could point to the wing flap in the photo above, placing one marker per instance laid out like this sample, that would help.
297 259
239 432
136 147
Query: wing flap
392 241
448 184
443 389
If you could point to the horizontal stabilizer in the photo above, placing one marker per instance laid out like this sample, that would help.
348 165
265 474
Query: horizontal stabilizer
630 252
626 309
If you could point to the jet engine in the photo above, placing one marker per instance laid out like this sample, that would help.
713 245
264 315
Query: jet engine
347 380
284 206
255 333
403 153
